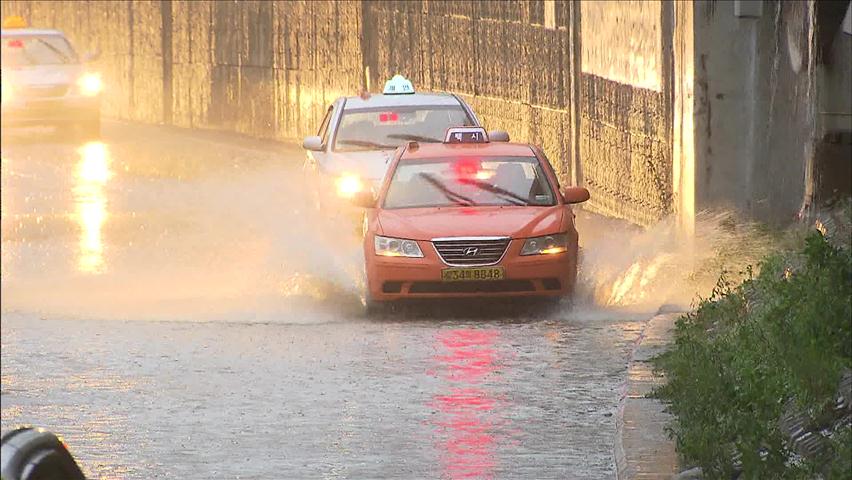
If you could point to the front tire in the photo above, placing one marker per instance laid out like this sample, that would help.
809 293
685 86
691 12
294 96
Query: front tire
369 307
373 308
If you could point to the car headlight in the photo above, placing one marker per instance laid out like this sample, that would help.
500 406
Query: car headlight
546 245
90 84
397 247
348 185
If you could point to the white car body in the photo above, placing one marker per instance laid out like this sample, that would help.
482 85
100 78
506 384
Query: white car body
328 162
51 94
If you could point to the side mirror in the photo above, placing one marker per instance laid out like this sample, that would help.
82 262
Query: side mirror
92 56
498 136
312 143
575 194
364 199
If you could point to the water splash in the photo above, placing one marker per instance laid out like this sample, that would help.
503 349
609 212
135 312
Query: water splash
630 267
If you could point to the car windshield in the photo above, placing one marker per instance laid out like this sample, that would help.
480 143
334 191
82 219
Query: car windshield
386 129
29 50
469 181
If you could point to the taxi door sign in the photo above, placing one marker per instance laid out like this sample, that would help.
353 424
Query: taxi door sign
466 135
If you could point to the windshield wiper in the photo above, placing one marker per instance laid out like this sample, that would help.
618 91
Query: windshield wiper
511 197
365 143
55 50
452 196
416 138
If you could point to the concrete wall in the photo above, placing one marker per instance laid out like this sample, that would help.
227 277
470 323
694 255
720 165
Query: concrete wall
759 89
263 68
590 108
625 106
270 69
635 27
658 108
515 72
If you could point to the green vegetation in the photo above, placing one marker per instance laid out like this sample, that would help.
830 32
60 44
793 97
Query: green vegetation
754 350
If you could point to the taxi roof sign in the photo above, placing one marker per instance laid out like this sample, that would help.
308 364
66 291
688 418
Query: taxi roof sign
466 135
14 21
398 85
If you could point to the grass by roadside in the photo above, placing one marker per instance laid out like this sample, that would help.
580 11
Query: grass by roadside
758 351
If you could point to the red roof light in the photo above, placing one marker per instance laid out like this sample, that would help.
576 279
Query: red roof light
388 117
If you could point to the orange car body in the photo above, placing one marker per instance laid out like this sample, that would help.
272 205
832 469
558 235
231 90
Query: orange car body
446 232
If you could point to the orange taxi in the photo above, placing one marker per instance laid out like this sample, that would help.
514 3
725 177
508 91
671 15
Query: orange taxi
469 218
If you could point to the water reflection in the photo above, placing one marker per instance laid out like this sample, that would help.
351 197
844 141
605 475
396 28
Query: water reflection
470 414
91 177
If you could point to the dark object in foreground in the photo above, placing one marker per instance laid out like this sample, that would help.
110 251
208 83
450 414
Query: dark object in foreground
28 453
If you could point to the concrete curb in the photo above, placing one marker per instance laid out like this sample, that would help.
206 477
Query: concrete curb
642 449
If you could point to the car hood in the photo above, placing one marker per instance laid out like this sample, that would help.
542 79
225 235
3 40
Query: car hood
509 221
43 75
370 165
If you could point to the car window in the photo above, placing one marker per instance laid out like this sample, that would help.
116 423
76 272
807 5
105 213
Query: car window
27 50
468 181
380 129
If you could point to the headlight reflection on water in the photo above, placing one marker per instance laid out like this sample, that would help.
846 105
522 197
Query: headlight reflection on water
91 176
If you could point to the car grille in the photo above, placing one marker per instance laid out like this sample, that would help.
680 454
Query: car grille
495 286
465 252
45 91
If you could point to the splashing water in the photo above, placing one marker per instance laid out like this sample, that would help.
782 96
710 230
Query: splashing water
627 266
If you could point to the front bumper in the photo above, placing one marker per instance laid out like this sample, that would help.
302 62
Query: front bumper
397 278
50 111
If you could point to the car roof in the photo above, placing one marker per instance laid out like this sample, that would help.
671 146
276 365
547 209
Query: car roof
491 149
34 32
378 100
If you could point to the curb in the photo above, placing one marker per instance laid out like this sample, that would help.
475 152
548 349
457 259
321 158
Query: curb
642 450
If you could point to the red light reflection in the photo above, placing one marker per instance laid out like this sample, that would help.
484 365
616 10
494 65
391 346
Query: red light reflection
469 412
388 117
466 168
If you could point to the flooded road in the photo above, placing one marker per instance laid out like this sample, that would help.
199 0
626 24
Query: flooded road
173 307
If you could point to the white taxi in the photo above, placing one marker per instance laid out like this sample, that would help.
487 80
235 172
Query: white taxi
358 135
45 82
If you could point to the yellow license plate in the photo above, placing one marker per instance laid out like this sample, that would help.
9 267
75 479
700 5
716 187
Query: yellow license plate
465 274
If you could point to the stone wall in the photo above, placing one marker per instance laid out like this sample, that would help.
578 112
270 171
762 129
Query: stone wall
270 68
264 68
602 113
625 106
657 107
497 55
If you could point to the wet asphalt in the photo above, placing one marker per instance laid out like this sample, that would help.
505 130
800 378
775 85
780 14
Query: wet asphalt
174 308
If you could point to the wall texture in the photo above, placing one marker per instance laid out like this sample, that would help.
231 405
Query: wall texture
270 69
656 107
773 102
262 68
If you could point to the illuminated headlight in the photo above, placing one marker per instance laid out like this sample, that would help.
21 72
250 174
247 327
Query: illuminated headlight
396 247
546 245
348 185
90 84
